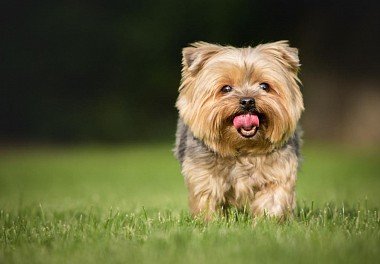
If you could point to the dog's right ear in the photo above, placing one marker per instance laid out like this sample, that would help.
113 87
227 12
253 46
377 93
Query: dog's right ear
285 54
196 55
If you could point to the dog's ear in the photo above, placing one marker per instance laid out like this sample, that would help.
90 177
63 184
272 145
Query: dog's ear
196 55
281 50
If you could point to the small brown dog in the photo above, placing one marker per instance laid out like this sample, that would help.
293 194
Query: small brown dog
237 138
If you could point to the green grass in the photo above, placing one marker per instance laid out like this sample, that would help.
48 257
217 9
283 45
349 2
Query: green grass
128 205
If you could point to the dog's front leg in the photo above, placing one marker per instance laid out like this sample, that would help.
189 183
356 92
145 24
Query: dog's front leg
277 200
202 205
206 194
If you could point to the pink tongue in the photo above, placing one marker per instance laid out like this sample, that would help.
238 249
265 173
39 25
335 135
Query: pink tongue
246 121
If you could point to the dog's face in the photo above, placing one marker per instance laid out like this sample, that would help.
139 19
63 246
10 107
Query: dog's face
240 99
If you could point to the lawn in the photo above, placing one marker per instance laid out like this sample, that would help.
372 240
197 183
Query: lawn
127 204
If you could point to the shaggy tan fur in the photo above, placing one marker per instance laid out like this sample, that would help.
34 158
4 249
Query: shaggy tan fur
221 167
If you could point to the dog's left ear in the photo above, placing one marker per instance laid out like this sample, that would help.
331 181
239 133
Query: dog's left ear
196 55
281 50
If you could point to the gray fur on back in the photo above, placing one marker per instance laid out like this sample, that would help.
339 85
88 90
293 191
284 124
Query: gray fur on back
180 140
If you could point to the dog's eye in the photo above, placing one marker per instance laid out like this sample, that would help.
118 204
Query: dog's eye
226 89
264 86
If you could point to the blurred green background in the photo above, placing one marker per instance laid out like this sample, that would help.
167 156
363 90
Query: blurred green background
99 79
131 177
108 71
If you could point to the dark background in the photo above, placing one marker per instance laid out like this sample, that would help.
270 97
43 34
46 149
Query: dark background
108 71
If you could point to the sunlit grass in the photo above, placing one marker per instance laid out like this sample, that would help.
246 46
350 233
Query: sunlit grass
128 204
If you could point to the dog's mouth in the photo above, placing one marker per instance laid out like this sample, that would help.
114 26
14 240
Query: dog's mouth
247 124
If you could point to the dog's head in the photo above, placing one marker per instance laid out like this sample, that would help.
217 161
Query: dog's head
240 99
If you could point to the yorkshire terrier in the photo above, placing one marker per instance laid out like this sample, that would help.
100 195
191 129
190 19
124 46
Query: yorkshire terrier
237 136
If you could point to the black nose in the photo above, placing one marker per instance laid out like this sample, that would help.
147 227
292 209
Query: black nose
247 103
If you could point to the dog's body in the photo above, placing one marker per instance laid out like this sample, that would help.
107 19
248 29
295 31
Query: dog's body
239 146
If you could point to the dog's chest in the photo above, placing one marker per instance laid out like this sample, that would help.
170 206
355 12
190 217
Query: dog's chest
246 172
